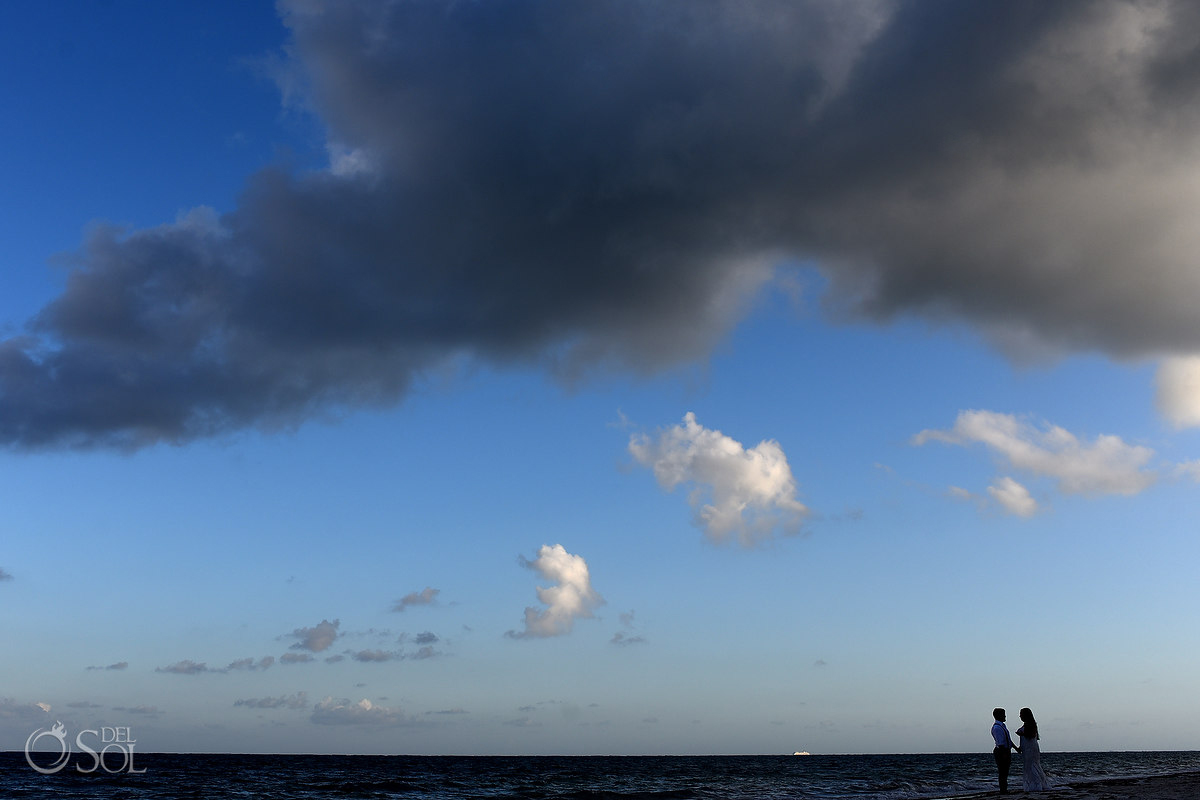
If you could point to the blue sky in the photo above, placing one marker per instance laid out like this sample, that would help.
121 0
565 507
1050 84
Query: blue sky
446 378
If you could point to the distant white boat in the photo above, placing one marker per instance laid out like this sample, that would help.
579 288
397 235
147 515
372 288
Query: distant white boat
802 753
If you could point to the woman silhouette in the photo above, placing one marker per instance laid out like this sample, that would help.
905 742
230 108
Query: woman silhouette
1033 777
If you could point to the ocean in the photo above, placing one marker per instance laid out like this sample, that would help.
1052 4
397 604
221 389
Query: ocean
276 777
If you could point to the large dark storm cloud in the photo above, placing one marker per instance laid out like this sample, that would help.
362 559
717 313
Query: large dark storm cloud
604 185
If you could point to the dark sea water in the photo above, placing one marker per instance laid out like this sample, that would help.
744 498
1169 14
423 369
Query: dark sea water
271 777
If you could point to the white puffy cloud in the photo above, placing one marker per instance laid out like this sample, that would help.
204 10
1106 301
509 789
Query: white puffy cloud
747 494
364 712
1014 497
1178 397
1106 466
570 598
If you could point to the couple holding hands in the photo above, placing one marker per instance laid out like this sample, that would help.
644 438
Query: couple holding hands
1033 777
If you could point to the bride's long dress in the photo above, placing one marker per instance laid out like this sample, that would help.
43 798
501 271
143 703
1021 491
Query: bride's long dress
1033 777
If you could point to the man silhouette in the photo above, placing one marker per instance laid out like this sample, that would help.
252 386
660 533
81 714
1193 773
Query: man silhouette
1003 749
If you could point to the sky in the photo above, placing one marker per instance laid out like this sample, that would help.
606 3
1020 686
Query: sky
617 378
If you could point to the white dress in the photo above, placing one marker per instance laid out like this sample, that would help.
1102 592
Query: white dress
1033 777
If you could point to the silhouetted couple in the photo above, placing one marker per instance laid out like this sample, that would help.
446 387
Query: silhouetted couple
1033 777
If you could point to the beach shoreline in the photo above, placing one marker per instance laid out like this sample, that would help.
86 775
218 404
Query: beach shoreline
1178 786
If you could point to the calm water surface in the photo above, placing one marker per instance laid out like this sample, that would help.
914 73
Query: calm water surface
271 777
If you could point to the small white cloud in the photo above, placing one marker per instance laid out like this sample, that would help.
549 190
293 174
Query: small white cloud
570 598
317 638
1178 385
1106 466
747 494
364 712
1188 469
1014 497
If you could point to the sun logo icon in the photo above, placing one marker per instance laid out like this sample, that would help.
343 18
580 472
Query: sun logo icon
57 731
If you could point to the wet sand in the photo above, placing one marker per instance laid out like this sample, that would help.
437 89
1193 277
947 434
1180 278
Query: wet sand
1184 786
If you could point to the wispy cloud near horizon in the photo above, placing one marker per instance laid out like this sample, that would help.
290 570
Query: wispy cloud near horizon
344 712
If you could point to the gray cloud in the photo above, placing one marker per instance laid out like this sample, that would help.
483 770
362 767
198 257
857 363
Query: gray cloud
425 597
606 185
623 640
294 701
186 667
4 576
317 638
150 711
295 658
117 666
189 667
250 665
